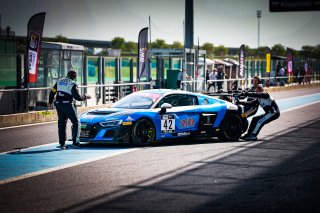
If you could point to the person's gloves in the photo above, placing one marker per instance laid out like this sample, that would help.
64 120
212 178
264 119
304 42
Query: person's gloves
87 96
244 93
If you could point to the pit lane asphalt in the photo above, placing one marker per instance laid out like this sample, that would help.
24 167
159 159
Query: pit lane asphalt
279 173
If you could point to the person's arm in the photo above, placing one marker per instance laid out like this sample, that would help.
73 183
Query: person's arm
248 103
52 94
257 94
77 96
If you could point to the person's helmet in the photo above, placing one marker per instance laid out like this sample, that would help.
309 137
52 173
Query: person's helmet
72 74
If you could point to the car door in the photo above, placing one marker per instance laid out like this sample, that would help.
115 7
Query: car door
182 119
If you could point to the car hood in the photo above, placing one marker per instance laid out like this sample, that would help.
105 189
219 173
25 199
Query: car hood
98 115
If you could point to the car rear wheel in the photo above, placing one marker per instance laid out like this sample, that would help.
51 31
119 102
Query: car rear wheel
230 128
143 132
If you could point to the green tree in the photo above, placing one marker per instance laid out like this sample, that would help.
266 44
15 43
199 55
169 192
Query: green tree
308 51
60 38
262 51
278 49
177 45
159 44
118 43
317 51
209 48
220 51
131 46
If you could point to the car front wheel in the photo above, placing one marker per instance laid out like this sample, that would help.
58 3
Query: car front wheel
143 132
230 128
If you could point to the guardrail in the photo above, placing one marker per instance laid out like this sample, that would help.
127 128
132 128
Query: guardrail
243 83
34 99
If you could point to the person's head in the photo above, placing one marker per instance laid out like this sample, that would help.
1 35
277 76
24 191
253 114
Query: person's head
258 88
72 74
256 81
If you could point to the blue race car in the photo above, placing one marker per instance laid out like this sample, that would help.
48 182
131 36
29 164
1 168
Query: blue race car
154 115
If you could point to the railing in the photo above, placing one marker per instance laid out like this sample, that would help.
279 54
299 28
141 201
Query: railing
28 99
243 83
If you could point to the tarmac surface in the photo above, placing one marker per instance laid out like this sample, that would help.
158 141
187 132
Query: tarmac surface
278 173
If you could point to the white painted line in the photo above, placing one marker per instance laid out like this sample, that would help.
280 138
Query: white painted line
66 166
26 125
31 147
298 107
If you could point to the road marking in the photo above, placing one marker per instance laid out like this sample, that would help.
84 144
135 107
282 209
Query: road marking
33 161
43 159
26 125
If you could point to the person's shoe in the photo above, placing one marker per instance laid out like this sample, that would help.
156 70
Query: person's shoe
63 146
244 136
77 144
250 137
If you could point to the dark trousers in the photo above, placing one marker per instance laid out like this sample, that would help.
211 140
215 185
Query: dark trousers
178 84
67 111
259 121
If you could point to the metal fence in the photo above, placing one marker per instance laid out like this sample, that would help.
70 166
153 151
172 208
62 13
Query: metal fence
33 99
243 83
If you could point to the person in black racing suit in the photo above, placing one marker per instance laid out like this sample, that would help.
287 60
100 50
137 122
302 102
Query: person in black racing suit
268 104
67 90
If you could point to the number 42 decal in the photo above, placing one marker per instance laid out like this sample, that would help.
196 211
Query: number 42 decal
167 124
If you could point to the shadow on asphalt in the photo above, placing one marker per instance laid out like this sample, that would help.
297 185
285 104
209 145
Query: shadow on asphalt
278 175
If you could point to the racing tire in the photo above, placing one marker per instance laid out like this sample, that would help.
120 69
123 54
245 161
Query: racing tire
230 128
143 132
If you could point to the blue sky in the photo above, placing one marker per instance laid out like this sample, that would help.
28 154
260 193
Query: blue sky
221 22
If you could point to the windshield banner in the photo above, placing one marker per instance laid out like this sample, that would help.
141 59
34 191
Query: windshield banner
142 53
35 29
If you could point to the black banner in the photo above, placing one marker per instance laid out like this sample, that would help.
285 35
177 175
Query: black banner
293 5
142 53
35 30
241 61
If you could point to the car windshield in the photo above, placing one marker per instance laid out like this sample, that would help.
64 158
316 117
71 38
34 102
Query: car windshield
137 100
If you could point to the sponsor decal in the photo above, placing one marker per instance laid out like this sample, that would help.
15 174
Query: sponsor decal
127 123
189 122
32 55
129 118
183 133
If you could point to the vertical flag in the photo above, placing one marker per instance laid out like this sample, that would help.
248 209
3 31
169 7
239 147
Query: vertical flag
268 59
289 60
35 29
142 53
241 61
268 66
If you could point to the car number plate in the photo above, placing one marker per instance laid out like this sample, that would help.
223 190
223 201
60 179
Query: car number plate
85 133
167 124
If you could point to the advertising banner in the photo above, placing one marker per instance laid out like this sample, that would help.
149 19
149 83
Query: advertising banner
142 53
35 30
289 60
268 60
241 61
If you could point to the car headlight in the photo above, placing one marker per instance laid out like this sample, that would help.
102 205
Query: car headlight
111 123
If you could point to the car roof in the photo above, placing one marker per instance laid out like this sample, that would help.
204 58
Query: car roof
166 91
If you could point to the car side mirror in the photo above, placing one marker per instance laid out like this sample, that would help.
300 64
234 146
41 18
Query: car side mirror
164 107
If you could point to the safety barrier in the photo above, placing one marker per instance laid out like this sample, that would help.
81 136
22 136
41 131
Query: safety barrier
42 115
35 99
243 83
